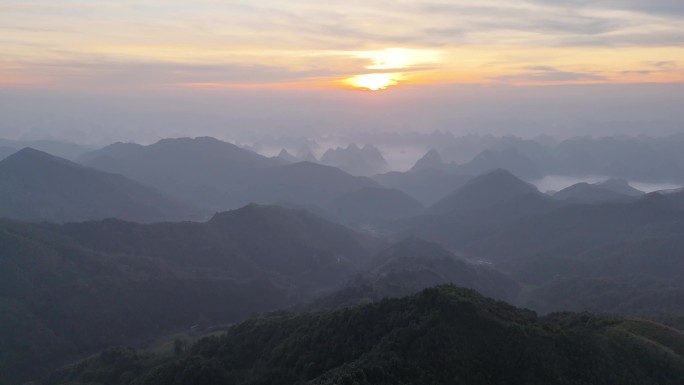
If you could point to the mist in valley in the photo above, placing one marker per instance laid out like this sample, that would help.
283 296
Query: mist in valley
233 193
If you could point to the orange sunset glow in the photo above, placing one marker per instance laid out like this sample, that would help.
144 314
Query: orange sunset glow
290 192
157 44
374 82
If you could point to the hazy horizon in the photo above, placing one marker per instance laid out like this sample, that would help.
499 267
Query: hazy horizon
526 111
105 71
341 192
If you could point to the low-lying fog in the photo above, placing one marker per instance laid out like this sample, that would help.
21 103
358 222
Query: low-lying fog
558 182
398 158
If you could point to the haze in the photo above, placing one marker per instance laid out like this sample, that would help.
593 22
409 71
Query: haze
234 192
100 71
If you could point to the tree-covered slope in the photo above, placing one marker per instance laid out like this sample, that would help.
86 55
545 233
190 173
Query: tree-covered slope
443 335
70 290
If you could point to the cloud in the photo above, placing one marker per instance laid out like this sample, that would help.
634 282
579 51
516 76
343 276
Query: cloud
670 8
144 74
544 74
298 40
666 65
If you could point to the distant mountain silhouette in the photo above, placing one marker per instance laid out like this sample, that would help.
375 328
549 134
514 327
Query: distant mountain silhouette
485 162
618 157
574 230
591 193
220 176
6 151
309 157
285 155
604 257
200 170
675 196
374 204
301 183
364 161
412 265
496 187
620 186
185 152
427 185
295 245
61 149
640 158
305 154
36 186
513 161
430 161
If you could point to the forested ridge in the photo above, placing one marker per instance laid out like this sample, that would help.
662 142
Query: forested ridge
443 335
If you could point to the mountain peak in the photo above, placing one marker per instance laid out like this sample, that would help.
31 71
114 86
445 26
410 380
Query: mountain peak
585 193
355 160
501 178
29 152
514 162
495 187
29 156
621 186
431 160
37 186
285 155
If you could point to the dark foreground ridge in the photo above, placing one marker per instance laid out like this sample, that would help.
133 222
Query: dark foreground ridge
443 335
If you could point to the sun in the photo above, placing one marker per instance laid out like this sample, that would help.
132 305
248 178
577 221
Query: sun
374 82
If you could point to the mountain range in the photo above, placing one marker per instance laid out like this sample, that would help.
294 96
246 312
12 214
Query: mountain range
60 149
592 193
102 253
364 161
217 176
68 290
36 186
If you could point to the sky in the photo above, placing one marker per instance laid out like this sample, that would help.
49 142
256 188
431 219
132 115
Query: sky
102 70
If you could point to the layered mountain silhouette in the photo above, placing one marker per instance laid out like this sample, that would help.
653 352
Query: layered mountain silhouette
370 205
430 161
218 175
6 151
67 290
618 158
605 253
620 186
512 160
201 170
412 265
364 161
75 283
301 249
302 183
286 156
57 148
493 188
591 193
306 154
443 335
36 186
639 159
574 230
613 257
426 185
675 196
